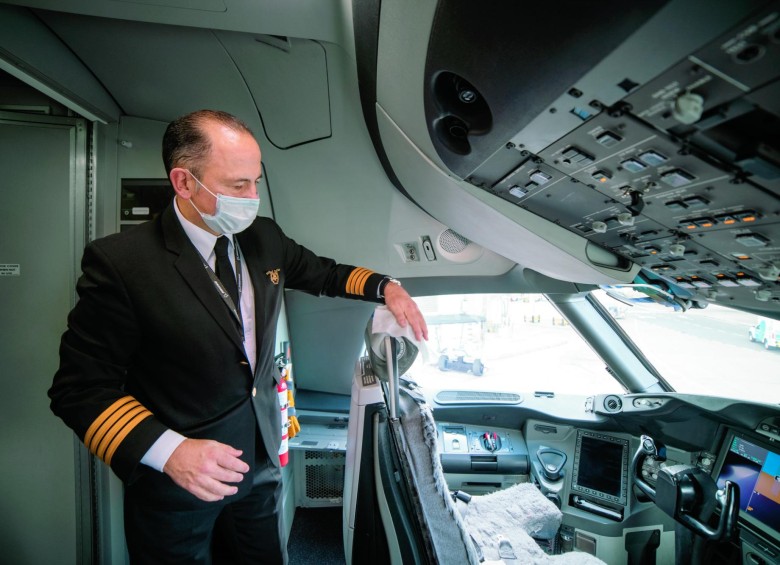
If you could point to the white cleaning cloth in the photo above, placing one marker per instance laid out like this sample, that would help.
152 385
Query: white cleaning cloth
385 323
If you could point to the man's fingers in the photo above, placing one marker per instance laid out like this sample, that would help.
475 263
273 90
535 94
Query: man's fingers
226 475
406 311
212 490
228 459
206 468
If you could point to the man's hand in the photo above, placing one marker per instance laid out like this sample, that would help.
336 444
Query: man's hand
405 310
204 467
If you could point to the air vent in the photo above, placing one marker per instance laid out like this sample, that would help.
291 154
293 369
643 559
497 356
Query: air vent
477 397
612 403
319 478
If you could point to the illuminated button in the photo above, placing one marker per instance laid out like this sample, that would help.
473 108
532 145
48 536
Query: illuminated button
723 280
601 176
653 158
663 268
746 216
727 219
683 282
745 280
254 391
694 223
608 139
677 177
741 256
581 113
633 166
752 240
540 177
700 283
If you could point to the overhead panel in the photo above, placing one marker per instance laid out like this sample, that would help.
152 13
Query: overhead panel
680 176
492 67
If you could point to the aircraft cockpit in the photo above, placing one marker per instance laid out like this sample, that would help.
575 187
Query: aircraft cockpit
583 199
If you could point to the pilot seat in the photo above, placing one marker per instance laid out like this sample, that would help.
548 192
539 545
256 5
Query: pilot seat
398 508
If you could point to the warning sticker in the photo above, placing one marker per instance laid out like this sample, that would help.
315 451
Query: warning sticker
10 270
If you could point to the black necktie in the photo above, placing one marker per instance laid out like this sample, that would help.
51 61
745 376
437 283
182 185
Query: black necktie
223 269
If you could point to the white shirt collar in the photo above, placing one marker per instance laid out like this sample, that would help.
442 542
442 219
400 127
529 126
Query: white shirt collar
202 240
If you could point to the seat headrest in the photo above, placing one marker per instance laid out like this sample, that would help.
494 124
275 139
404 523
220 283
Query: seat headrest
406 352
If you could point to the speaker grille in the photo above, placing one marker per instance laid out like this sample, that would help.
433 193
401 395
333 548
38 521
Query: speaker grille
322 473
452 242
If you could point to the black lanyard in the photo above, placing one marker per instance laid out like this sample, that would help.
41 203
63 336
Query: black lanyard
223 291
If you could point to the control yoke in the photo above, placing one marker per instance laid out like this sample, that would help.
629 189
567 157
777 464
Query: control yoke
688 494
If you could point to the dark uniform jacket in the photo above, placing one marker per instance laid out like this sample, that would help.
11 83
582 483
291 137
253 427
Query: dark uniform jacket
151 345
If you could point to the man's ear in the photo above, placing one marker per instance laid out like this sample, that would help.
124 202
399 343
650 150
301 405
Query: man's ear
180 181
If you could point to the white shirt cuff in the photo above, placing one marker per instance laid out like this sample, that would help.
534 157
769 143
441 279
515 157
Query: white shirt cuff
161 450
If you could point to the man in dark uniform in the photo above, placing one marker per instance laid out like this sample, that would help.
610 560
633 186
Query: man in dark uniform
166 369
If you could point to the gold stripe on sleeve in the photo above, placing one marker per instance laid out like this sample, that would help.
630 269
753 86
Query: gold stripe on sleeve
351 281
118 406
360 284
116 427
120 437
113 425
356 283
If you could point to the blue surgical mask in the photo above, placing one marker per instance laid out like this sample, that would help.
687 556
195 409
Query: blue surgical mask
232 214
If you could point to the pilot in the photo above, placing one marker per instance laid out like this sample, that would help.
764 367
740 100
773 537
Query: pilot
166 367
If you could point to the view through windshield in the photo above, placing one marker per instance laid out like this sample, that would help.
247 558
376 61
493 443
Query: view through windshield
521 343
506 342
715 351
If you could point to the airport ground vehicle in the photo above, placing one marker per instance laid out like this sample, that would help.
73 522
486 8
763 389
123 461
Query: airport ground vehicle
469 149
461 361
765 332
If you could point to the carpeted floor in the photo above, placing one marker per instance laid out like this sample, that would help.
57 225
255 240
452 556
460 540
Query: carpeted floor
316 537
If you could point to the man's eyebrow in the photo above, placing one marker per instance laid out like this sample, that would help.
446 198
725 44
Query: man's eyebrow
243 180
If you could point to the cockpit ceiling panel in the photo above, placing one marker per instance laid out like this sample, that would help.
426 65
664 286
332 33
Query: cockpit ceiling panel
681 176
516 57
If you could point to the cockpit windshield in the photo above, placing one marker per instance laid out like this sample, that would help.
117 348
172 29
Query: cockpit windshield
714 351
522 343
506 342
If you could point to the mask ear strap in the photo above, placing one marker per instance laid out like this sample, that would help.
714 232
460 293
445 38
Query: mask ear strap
201 184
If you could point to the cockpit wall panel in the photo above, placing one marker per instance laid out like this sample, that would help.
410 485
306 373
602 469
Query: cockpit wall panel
159 71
